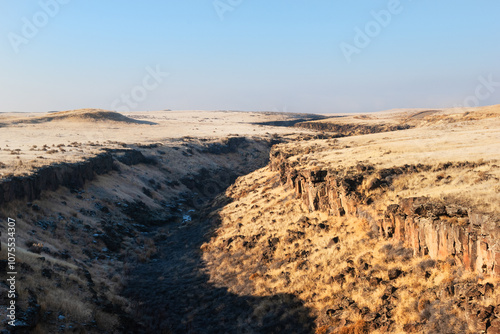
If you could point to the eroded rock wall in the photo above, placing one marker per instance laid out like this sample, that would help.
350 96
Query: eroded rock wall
422 224
348 129
72 175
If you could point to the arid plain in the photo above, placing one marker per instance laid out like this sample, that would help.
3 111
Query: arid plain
253 222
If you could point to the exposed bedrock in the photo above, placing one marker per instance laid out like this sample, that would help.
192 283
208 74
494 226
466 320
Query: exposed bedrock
72 175
351 129
428 226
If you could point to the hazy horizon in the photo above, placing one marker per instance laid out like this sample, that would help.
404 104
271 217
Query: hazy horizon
292 56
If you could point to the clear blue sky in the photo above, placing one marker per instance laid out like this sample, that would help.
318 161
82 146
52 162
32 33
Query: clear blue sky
247 54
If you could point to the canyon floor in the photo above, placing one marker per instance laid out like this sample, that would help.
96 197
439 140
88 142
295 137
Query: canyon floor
252 222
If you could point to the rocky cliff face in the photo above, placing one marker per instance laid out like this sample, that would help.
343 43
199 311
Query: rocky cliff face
425 225
350 129
72 175
443 231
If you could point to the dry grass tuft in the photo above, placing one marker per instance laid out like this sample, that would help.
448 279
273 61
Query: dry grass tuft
359 327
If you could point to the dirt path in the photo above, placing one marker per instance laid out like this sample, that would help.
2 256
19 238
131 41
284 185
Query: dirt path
175 296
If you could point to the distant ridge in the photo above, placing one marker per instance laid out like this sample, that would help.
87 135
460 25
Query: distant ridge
83 115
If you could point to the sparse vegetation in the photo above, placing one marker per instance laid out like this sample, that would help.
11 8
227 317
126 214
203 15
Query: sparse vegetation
351 281
265 253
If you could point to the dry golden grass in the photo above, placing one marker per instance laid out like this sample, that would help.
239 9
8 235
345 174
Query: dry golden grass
72 136
359 327
66 292
268 241
305 262
416 117
69 228
457 160
67 302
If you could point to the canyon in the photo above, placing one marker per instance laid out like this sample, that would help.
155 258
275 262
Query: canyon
427 226
254 222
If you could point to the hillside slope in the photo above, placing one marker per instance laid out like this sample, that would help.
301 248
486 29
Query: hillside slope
147 230
387 232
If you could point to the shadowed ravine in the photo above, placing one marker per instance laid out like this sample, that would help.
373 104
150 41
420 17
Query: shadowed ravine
173 294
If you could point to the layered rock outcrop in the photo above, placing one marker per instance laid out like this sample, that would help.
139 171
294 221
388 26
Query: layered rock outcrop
72 175
349 129
445 230
427 226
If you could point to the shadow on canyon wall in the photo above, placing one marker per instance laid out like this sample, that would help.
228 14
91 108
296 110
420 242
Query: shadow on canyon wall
173 293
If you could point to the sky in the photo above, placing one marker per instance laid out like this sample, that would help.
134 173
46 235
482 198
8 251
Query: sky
313 56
